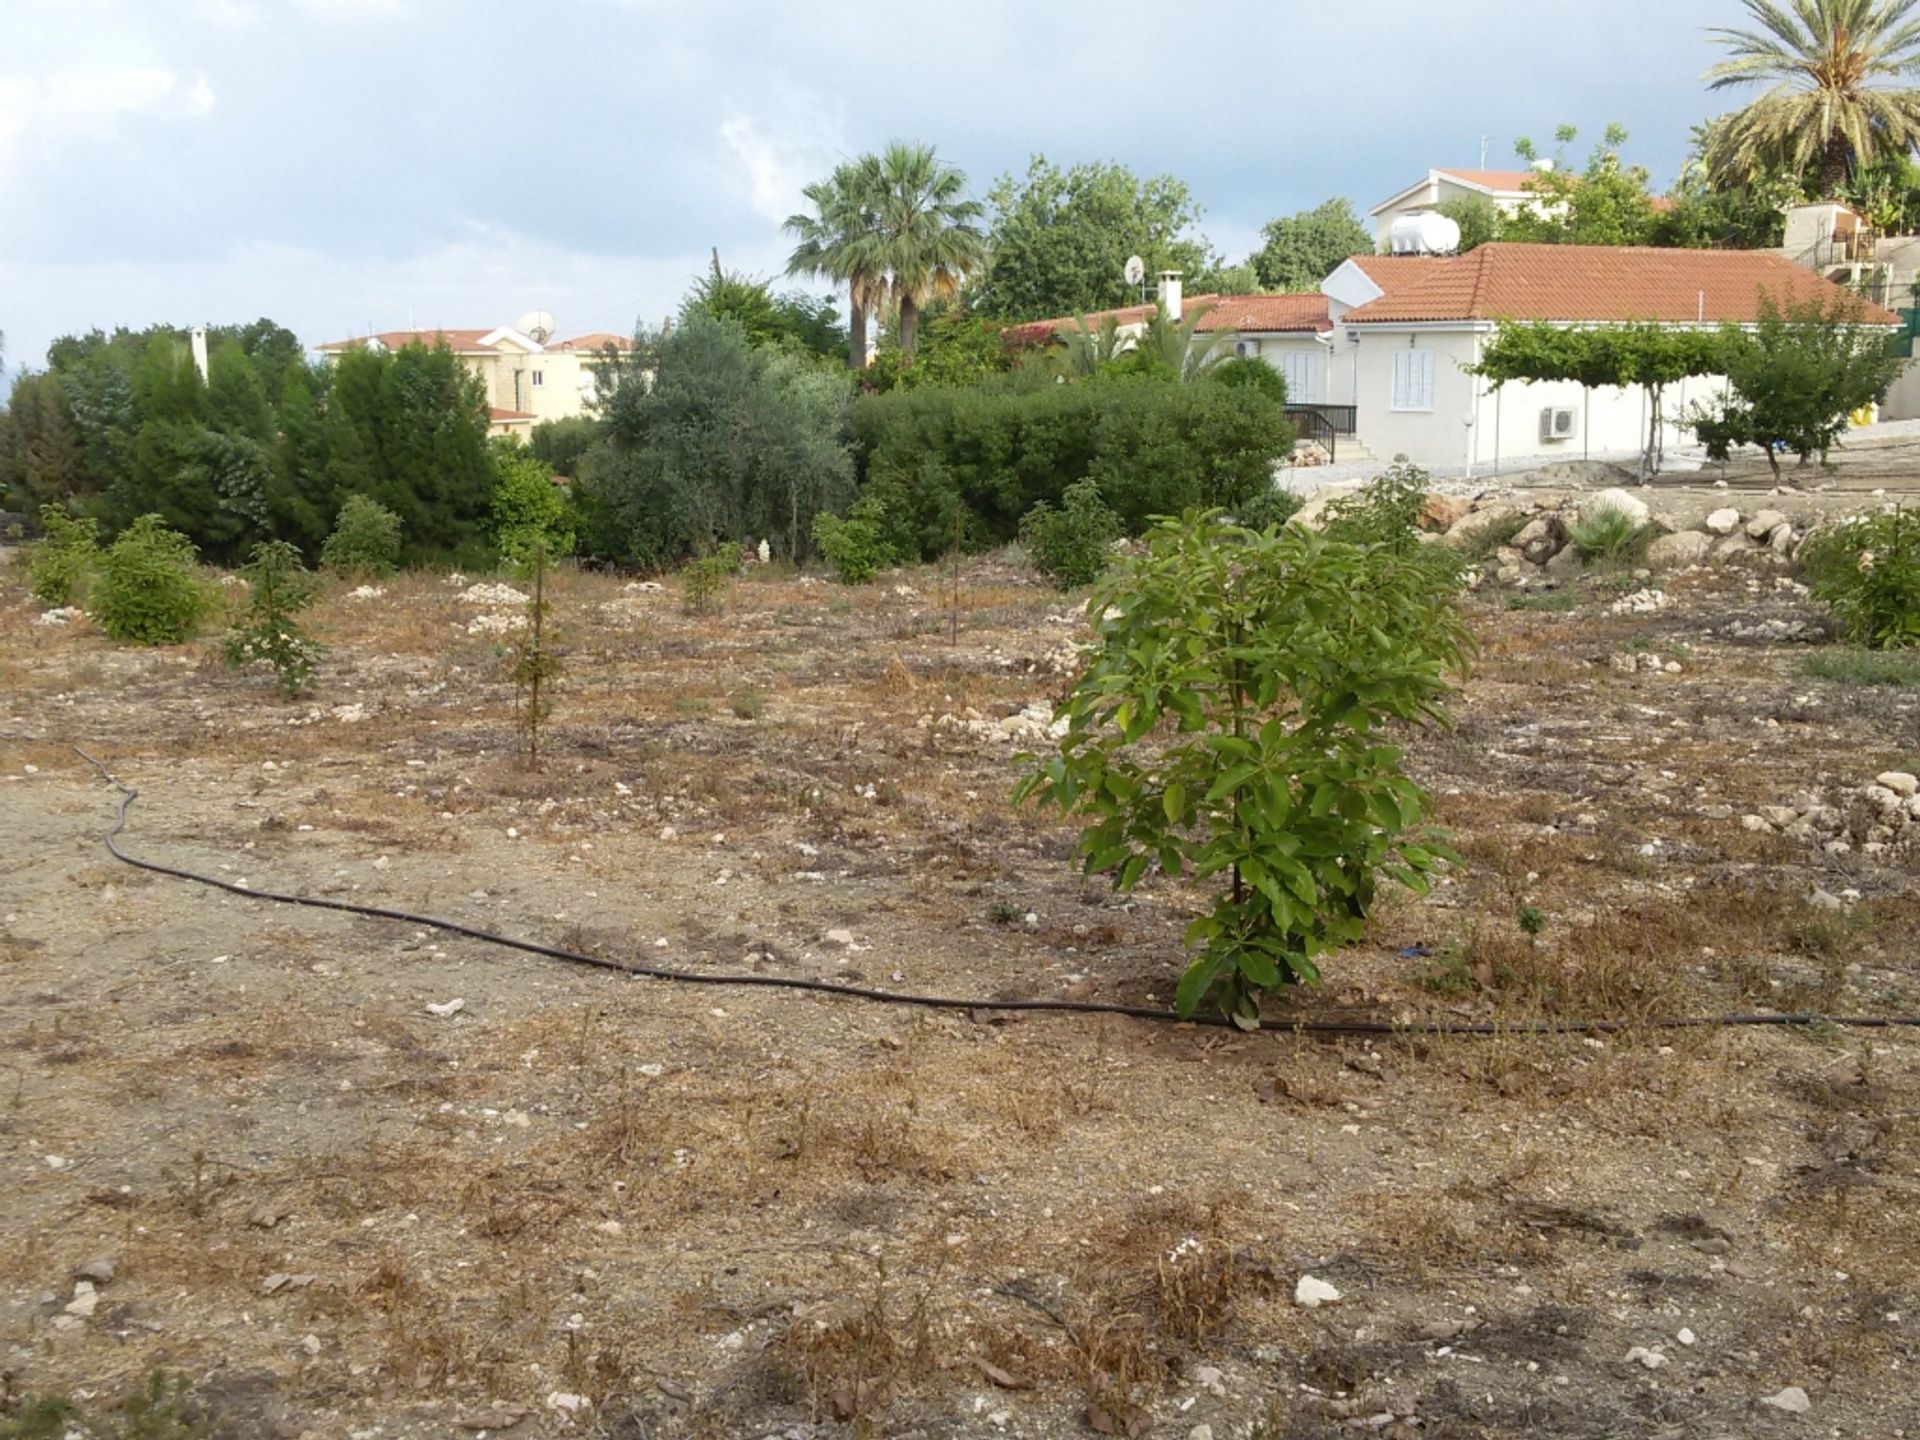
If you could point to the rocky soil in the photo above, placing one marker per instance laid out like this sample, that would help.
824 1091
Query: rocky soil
348 1177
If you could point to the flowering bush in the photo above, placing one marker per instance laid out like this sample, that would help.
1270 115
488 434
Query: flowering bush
267 633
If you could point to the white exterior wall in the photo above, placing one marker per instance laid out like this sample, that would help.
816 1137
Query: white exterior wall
1507 420
1295 354
1431 196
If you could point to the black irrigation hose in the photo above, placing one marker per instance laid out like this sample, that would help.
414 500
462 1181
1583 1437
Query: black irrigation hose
947 1002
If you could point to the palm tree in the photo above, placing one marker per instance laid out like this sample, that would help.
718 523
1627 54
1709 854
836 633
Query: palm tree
1836 100
839 241
928 239
1182 347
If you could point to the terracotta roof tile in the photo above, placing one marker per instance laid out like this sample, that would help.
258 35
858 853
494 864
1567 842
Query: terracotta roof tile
1031 331
1512 180
596 340
1596 283
464 341
1269 313
508 417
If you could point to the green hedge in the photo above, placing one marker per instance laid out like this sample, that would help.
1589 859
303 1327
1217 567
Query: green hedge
971 462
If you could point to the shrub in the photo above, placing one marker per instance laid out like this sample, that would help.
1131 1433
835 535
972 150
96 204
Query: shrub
59 563
995 451
1272 506
703 582
1384 515
534 665
1609 536
279 588
1867 571
856 546
528 510
1227 728
562 444
365 539
1865 667
1253 374
147 591
1069 545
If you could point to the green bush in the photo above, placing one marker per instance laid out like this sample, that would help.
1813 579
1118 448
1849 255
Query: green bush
528 510
147 591
562 444
1253 374
1227 728
1867 571
994 451
1070 545
59 563
1272 506
856 546
365 539
1610 537
279 587
703 582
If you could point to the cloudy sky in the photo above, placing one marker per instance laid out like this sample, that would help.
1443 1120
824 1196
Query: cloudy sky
346 164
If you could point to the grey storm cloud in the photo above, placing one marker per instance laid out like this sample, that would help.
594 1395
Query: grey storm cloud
338 164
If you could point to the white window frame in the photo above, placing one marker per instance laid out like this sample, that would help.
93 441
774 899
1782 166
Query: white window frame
1300 360
1414 372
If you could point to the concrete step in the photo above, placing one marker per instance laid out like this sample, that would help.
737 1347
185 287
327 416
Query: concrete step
1352 447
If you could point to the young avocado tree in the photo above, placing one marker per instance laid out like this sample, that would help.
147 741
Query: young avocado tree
1230 728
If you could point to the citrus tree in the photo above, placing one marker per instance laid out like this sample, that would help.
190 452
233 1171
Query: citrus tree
1231 728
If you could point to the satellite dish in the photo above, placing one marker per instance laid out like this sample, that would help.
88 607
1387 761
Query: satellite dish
536 325
1136 270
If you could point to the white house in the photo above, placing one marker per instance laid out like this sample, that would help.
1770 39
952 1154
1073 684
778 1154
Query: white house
1406 329
1506 189
528 378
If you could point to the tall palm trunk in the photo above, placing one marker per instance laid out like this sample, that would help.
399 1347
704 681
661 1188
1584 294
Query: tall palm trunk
909 325
856 333
1836 167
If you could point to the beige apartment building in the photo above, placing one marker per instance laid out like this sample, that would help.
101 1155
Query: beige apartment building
528 378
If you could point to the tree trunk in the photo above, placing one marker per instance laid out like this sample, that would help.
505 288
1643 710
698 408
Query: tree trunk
1836 167
856 333
909 325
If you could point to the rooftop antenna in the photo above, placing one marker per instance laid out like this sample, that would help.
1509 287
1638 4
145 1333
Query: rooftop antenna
1484 141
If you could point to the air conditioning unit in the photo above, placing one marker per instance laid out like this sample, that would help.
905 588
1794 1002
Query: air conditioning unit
1559 422
1247 349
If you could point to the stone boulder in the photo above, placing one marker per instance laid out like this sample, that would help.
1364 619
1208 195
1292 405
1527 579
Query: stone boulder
1440 513
1723 522
1468 529
1676 552
1763 524
1616 501
1540 539
1733 545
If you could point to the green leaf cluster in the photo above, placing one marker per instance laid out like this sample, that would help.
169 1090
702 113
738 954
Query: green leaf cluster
60 562
148 591
1231 727
979 459
856 545
365 540
528 510
1070 545
1867 571
279 588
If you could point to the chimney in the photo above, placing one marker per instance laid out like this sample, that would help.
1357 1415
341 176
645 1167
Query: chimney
199 343
1170 294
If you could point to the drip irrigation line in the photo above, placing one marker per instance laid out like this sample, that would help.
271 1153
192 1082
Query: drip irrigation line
640 971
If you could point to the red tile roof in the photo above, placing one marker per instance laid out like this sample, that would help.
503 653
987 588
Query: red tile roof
508 417
597 340
1269 313
1595 283
1033 331
464 341
1395 273
1493 179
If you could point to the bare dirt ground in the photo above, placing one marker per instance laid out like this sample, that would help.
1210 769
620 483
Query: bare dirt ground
589 1205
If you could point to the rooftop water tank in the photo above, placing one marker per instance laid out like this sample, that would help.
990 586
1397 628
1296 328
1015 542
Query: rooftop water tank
1427 233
